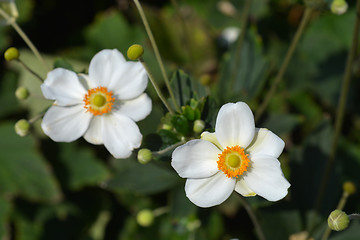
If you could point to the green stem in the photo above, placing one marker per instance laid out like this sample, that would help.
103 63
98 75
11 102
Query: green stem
240 42
253 218
24 37
340 206
354 216
304 21
157 89
31 71
168 149
157 53
340 109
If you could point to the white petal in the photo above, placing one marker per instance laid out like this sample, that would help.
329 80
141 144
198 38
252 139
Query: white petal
266 179
129 81
120 134
266 143
136 109
211 137
94 134
195 159
235 125
208 192
103 66
63 86
242 188
109 68
66 124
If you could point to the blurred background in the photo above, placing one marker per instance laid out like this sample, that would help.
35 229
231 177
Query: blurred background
79 191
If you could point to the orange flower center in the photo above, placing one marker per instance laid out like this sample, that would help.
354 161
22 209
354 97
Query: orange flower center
233 161
99 100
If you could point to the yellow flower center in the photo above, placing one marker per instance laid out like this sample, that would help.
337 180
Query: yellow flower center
233 161
99 100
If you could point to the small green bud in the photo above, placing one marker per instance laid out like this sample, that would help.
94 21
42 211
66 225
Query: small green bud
199 126
144 156
145 218
349 187
22 93
135 52
11 54
338 220
339 7
22 127
188 112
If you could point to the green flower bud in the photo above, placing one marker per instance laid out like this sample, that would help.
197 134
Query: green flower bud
22 93
349 187
338 220
22 127
199 126
145 218
11 54
339 7
144 156
135 52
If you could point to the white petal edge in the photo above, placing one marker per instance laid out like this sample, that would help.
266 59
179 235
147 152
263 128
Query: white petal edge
242 188
65 124
63 86
94 134
136 109
121 135
129 81
235 125
266 143
208 192
266 179
103 66
211 137
195 159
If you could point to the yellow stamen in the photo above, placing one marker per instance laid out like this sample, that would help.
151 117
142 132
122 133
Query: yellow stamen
233 161
98 100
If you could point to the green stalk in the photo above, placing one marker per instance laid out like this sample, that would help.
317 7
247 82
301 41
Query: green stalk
29 69
304 21
341 107
157 89
253 218
24 37
157 53
240 42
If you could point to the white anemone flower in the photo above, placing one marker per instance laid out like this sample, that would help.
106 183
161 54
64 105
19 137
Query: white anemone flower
102 106
237 156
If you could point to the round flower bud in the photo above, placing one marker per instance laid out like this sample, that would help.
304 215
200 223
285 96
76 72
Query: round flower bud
199 126
144 156
145 217
338 220
22 93
135 52
22 127
339 7
11 54
349 187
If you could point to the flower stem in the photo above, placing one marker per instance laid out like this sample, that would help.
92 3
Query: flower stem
253 218
168 149
341 108
304 21
29 69
157 53
24 37
157 89
340 206
240 41
354 216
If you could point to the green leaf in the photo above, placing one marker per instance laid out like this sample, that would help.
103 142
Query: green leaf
82 167
8 87
185 88
63 63
181 124
5 208
168 137
23 171
145 179
351 233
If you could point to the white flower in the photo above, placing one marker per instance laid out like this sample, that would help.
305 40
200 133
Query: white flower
237 157
102 106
